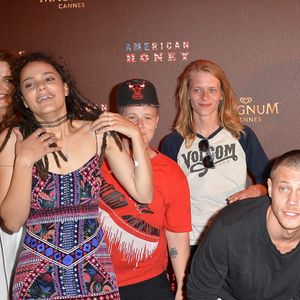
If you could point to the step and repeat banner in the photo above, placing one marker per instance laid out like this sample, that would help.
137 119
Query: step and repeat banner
256 42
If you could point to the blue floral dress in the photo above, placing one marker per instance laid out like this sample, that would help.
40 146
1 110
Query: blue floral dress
64 254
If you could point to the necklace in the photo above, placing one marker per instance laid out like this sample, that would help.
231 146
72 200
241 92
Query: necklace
54 123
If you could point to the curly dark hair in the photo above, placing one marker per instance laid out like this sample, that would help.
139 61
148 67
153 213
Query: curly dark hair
9 56
11 117
78 106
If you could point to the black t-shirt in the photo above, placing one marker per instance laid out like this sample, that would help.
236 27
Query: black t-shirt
237 259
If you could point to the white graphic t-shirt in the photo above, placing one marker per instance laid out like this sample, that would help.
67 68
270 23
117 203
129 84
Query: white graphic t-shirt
210 187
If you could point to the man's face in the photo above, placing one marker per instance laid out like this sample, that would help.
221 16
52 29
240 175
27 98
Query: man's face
284 189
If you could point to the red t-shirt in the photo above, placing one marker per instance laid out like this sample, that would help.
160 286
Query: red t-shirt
135 232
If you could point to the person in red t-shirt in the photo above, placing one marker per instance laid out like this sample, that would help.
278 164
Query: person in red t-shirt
141 237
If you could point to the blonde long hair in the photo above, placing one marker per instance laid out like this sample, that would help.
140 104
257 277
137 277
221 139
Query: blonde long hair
228 113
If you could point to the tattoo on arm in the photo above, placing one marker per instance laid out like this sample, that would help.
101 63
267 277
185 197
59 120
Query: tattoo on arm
173 252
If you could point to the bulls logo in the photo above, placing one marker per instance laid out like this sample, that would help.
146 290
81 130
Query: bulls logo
137 89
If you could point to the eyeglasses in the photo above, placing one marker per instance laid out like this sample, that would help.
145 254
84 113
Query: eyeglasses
207 160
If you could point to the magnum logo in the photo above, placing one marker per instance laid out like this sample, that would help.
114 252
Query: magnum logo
251 112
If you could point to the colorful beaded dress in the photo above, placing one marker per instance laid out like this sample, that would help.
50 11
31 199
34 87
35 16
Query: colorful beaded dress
64 254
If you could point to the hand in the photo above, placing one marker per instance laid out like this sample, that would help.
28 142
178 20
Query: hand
179 295
35 146
255 190
109 121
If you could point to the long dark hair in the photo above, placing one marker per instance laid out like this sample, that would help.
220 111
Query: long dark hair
78 106
10 117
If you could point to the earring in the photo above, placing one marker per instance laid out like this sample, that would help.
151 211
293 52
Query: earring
221 99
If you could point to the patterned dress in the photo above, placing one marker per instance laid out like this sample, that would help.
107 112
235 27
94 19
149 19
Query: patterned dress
64 255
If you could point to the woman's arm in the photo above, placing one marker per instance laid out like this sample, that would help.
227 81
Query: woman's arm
135 176
16 162
179 251
252 191
257 165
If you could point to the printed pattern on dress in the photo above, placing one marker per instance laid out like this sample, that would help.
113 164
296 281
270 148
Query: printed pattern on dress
64 254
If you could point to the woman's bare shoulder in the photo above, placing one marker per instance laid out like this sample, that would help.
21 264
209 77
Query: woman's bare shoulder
7 154
11 138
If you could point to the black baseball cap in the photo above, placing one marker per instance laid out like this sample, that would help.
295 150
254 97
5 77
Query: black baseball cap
136 92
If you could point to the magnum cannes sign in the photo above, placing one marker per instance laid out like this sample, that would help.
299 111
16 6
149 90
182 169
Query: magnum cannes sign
251 112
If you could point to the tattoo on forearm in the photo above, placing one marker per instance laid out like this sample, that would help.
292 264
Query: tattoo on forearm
173 252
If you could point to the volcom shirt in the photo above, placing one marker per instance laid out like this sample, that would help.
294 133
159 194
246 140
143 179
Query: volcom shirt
209 188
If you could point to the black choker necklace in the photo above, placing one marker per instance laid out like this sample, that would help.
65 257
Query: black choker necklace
54 123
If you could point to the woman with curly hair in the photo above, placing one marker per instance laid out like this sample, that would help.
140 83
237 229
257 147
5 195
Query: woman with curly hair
211 145
54 187
9 243
7 61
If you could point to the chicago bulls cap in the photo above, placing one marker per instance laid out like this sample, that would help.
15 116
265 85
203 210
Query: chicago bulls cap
136 92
